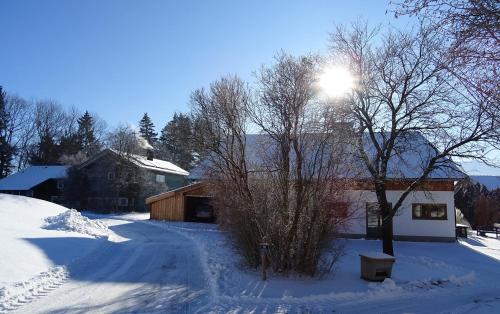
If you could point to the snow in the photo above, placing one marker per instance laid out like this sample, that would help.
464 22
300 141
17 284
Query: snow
172 267
33 260
410 156
427 277
32 176
489 245
159 165
376 255
72 220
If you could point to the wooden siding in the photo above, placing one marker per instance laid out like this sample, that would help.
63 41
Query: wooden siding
170 208
429 185
170 205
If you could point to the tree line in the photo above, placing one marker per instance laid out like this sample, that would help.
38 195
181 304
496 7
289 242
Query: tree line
43 132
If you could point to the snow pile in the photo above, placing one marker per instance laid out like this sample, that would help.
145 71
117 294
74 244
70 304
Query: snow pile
72 220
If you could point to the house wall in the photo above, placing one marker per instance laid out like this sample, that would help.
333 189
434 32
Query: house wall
109 180
404 226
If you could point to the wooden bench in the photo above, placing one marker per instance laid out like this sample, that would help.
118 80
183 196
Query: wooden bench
481 231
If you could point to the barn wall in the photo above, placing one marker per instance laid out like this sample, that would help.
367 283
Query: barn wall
170 208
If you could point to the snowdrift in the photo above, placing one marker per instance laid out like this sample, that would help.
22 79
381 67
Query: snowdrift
72 220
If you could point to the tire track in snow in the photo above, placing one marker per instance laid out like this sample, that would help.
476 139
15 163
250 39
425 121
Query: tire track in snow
16 295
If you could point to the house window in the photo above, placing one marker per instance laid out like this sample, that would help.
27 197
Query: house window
160 178
429 211
60 184
122 201
111 175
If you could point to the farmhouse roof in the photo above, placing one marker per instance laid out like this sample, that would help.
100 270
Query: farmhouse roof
31 177
140 161
411 154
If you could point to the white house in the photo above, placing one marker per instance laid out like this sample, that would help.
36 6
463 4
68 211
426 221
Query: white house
427 214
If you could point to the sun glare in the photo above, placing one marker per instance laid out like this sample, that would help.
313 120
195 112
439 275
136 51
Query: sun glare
336 81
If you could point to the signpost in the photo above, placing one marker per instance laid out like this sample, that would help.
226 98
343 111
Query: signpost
264 248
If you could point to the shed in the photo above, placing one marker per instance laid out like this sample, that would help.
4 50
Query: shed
188 203
42 182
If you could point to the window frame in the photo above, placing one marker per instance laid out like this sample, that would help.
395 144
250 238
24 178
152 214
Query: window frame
160 176
126 202
415 217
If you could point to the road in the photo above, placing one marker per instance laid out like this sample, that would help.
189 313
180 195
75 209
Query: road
151 270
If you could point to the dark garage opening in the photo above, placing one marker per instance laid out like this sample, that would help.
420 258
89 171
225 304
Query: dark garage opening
198 209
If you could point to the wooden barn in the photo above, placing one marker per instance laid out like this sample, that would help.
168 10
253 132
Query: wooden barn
188 203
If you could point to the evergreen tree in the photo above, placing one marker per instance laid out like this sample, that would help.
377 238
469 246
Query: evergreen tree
176 141
46 152
147 129
7 151
86 134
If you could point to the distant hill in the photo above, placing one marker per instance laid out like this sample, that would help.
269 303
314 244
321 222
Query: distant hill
490 182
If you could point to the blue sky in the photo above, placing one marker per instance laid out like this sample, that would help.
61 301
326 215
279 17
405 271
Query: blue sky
120 59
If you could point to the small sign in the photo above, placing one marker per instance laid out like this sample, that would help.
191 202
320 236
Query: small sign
264 246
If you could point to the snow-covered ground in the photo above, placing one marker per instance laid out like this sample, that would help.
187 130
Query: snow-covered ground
164 267
33 257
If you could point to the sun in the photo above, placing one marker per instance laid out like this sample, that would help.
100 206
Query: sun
336 81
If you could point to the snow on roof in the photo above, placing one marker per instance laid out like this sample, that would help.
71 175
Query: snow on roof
158 165
32 176
141 161
490 182
410 156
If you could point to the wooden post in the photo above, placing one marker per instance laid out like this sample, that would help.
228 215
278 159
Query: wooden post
263 259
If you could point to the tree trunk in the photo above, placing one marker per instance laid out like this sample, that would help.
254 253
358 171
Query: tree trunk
387 215
387 235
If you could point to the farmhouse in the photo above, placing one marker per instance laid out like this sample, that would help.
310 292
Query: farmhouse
113 181
427 214
42 182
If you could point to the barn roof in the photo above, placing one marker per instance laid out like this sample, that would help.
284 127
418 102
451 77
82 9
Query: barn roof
410 155
142 162
31 177
184 189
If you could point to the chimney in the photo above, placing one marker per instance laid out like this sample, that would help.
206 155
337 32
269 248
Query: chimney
150 154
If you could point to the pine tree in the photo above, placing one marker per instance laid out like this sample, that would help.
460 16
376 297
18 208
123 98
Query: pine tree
175 143
7 151
46 152
86 134
147 129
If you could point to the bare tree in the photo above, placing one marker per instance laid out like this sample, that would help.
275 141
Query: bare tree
471 30
278 186
404 92
125 140
21 127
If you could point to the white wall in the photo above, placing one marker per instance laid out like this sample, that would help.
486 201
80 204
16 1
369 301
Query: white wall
403 223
